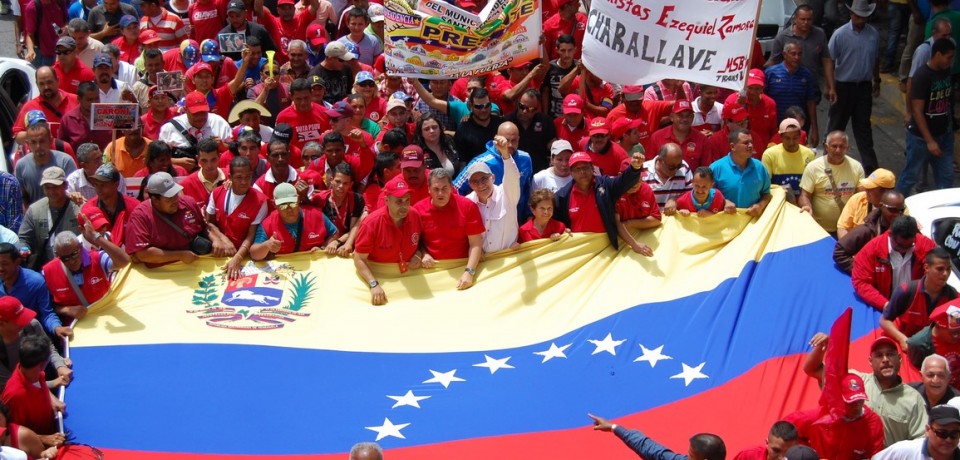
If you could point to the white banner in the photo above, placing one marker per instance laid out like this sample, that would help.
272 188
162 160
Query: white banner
703 41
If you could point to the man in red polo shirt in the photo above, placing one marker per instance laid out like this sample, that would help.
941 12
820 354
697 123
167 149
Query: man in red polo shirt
308 119
278 156
357 144
568 20
761 109
77 269
681 132
452 226
389 235
413 173
233 215
572 125
635 107
70 71
153 240
221 97
605 154
637 210
52 101
26 394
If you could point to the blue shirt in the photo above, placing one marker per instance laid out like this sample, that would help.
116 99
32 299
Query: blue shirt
11 201
854 53
744 187
31 290
646 448
494 160
262 236
789 89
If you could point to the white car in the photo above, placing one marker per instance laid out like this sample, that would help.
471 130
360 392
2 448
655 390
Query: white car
18 84
938 214
774 16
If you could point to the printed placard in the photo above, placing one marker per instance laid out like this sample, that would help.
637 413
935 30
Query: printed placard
114 116
232 43
170 81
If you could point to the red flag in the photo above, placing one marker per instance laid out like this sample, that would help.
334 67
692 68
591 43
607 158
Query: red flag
835 365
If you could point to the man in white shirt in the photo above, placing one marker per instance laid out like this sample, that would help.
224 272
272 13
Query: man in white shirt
498 203
940 442
112 91
197 122
558 174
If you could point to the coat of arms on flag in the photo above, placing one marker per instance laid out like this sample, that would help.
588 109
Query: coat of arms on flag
264 297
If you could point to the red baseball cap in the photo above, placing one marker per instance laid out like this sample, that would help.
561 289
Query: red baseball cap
97 219
682 105
851 389
622 125
947 315
196 102
580 157
734 112
756 77
411 157
316 34
149 36
396 187
573 103
599 126
884 340
286 2
12 310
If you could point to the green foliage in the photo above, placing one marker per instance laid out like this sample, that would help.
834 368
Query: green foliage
300 287
206 295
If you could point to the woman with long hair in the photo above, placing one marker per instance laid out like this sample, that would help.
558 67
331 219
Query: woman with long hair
437 145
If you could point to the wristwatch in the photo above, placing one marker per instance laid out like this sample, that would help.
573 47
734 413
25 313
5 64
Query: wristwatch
374 284
471 271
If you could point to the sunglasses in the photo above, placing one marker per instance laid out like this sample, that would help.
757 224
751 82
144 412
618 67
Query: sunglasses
893 208
71 256
526 108
367 84
481 106
947 434
62 52
286 206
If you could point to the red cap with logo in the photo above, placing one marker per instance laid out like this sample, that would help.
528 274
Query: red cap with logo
396 187
573 103
411 157
316 34
580 157
682 105
851 389
734 112
756 77
12 310
622 125
196 102
599 126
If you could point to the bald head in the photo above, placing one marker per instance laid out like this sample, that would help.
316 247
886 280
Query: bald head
46 72
670 151
509 131
48 84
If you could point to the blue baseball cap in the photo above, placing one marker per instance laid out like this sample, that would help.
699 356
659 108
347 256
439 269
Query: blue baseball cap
401 96
33 117
126 20
364 76
103 59
190 55
210 50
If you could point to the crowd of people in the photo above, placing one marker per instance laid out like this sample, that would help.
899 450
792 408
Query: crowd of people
290 137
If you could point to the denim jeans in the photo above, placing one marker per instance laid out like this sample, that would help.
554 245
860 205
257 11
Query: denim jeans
899 15
918 157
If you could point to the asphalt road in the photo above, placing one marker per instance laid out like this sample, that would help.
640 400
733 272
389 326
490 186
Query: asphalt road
887 120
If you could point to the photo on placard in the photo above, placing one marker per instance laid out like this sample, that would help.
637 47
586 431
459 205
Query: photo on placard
232 43
170 81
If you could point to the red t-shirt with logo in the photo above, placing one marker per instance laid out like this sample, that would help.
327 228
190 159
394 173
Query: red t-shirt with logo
639 204
385 242
307 126
584 214
528 232
446 230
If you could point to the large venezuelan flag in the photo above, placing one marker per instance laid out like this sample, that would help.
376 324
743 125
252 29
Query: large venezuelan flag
293 362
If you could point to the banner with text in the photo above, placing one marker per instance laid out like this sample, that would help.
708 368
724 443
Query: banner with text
433 39
703 41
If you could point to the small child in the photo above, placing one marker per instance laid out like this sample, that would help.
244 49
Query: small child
704 200
542 224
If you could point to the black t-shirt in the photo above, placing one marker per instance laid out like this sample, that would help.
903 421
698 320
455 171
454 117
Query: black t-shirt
99 17
471 139
339 84
534 139
933 87
551 87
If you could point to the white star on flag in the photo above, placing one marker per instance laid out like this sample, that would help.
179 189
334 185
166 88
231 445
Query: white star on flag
494 364
652 356
690 374
388 429
553 352
607 344
408 399
444 378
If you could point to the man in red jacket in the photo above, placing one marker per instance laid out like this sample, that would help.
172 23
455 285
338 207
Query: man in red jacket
92 268
891 259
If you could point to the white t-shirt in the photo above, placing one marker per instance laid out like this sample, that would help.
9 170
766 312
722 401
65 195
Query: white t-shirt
216 126
549 180
911 449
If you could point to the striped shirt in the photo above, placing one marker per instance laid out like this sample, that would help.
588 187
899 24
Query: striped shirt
169 28
672 188
790 89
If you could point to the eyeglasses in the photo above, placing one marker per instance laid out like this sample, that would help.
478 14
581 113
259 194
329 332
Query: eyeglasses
526 108
71 256
893 208
310 158
286 206
481 106
947 434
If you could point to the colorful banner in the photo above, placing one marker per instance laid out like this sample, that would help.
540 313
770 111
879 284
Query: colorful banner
178 363
703 41
434 39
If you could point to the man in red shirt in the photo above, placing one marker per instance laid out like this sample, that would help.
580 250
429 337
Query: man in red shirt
291 228
160 110
358 144
735 117
278 156
70 71
568 20
52 101
233 215
761 109
413 173
308 119
205 20
604 153
200 183
109 210
637 210
782 436
572 125
288 25
26 394
169 26
389 235
153 240
452 226
681 132
635 107
874 273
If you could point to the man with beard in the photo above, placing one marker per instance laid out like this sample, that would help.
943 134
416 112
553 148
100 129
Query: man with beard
52 101
75 124
112 91
901 408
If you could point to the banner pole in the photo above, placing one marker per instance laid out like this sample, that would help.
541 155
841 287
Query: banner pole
756 25
62 392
